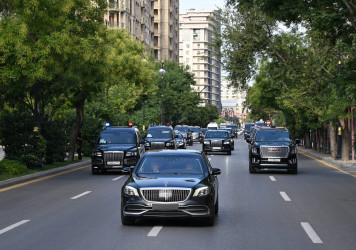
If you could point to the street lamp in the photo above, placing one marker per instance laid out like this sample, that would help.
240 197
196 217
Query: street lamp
162 72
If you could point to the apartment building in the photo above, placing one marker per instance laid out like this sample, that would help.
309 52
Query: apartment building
195 38
154 22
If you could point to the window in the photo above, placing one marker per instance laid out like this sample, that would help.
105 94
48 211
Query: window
196 34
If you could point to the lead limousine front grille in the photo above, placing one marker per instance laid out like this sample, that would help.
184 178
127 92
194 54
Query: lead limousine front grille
113 156
274 152
165 194
216 143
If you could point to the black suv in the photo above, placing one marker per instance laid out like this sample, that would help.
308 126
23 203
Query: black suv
273 148
116 148
217 141
247 130
160 137
186 132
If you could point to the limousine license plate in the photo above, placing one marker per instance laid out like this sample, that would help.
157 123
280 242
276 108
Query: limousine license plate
274 160
216 147
114 163
165 207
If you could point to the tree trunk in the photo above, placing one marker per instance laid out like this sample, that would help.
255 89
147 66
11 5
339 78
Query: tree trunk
314 140
307 140
333 141
346 145
75 129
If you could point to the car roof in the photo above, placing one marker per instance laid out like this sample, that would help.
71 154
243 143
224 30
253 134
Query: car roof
169 127
173 152
126 129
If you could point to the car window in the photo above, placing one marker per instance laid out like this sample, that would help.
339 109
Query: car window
159 133
116 137
272 135
217 134
172 164
182 129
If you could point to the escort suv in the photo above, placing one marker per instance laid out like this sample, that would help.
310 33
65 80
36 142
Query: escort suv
116 148
273 148
187 133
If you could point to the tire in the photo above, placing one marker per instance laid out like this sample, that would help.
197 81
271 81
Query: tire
229 152
250 168
217 205
125 220
94 171
293 170
210 221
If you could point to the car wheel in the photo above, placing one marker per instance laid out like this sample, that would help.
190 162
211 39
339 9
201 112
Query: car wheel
293 170
217 205
94 171
229 152
211 219
251 169
125 220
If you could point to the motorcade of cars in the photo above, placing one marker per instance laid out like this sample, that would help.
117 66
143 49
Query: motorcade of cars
247 130
160 137
231 136
273 149
171 184
217 141
181 141
202 134
116 148
186 132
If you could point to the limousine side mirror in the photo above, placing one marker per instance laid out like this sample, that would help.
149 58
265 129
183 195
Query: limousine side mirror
127 170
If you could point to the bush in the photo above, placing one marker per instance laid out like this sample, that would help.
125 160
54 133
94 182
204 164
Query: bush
11 167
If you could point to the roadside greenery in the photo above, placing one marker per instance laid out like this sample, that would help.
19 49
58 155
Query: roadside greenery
297 82
62 71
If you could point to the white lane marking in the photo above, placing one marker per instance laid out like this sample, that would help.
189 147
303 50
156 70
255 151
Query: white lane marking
154 231
80 195
285 196
311 233
6 229
115 179
272 178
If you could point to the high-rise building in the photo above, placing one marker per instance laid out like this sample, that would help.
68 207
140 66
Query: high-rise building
195 49
154 22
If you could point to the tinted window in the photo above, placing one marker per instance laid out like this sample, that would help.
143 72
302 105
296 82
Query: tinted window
272 135
172 164
182 129
116 137
196 130
159 133
248 126
217 134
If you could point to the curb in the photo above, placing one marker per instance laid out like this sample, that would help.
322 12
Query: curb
33 176
328 159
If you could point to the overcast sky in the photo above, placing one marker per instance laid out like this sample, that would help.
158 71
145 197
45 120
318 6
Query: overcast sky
200 4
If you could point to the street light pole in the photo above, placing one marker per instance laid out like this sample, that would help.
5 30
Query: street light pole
162 72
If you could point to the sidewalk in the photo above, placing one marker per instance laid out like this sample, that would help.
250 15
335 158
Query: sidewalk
327 158
33 176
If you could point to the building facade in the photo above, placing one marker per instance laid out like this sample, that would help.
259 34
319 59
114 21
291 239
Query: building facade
232 100
154 22
195 38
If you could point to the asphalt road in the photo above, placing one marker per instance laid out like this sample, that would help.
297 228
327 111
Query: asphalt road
315 209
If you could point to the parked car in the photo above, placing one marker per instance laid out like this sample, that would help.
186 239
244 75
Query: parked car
160 137
217 141
116 148
273 148
171 184
181 141
187 133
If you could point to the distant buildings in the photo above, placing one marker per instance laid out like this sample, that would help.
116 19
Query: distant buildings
195 37
154 22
